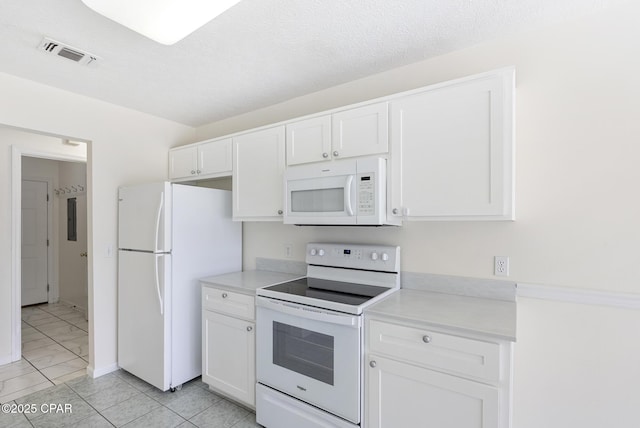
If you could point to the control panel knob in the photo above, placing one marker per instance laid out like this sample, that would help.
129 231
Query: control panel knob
385 257
321 252
374 256
313 252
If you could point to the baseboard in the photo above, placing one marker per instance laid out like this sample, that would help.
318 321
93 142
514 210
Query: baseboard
6 359
94 373
579 295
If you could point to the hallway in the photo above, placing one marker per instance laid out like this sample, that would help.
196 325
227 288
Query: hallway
55 349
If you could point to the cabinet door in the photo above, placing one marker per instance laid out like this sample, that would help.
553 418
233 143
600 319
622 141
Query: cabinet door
361 131
402 395
258 167
309 140
452 151
214 158
183 162
228 356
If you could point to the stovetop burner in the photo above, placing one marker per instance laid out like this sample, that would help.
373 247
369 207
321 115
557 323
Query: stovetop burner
342 277
332 291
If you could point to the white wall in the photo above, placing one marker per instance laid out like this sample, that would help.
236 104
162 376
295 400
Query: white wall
577 175
73 267
125 146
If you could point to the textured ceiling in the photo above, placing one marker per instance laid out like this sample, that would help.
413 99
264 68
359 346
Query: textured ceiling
258 53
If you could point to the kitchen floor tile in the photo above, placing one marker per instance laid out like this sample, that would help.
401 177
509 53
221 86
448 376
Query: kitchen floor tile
223 415
160 417
65 368
10 386
130 410
19 368
196 400
117 399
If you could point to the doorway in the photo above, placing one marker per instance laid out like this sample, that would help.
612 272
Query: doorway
54 233
24 143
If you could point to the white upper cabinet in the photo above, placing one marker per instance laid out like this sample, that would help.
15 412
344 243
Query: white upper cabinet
258 168
359 131
452 150
203 160
183 162
309 140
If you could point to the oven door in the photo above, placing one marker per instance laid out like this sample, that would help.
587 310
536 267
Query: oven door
310 354
321 194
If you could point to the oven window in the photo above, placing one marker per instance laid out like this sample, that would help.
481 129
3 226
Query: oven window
317 200
303 351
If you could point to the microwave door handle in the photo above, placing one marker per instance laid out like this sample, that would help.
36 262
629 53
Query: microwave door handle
347 196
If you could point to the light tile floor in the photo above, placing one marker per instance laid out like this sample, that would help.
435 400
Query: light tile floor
53 373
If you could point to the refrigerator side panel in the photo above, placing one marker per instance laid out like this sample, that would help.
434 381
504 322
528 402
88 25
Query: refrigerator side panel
144 217
143 317
205 242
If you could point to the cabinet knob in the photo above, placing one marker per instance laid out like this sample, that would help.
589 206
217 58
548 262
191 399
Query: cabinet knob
280 212
225 295
325 155
395 211
426 338
198 171
335 153
193 171
249 328
372 363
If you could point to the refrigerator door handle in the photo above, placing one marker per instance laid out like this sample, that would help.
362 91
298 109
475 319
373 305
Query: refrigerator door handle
158 220
157 256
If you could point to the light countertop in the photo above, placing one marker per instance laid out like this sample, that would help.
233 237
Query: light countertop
247 282
487 317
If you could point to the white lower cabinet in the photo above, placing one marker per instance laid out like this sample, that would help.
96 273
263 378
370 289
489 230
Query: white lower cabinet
416 377
228 345
404 395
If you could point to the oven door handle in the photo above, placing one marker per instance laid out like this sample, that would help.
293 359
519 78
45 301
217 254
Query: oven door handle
309 313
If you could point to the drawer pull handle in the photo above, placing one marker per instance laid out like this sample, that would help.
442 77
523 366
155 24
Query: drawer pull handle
249 328
426 339
225 295
373 363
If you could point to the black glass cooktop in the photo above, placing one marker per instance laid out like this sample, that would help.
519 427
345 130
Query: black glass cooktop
334 291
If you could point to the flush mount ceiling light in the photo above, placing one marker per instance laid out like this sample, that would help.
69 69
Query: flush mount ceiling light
165 21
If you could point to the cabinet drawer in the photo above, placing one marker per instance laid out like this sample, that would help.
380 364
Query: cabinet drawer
468 357
228 302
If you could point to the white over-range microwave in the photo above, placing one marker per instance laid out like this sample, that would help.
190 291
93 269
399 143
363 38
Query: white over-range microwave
342 192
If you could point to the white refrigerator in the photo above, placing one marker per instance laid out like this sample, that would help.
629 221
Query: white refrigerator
169 236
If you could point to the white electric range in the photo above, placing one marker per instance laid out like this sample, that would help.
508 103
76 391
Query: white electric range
309 341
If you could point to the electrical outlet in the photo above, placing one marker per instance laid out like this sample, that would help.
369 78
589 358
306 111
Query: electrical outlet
501 266
288 251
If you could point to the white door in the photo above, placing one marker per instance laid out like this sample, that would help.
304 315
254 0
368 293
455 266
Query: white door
309 140
144 331
403 395
215 157
258 167
360 131
34 242
183 162
144 217
229 355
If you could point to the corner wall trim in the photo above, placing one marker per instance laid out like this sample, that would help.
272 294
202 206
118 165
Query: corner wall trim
94 373
579 295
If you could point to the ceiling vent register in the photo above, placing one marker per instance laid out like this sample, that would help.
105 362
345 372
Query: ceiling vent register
69 52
